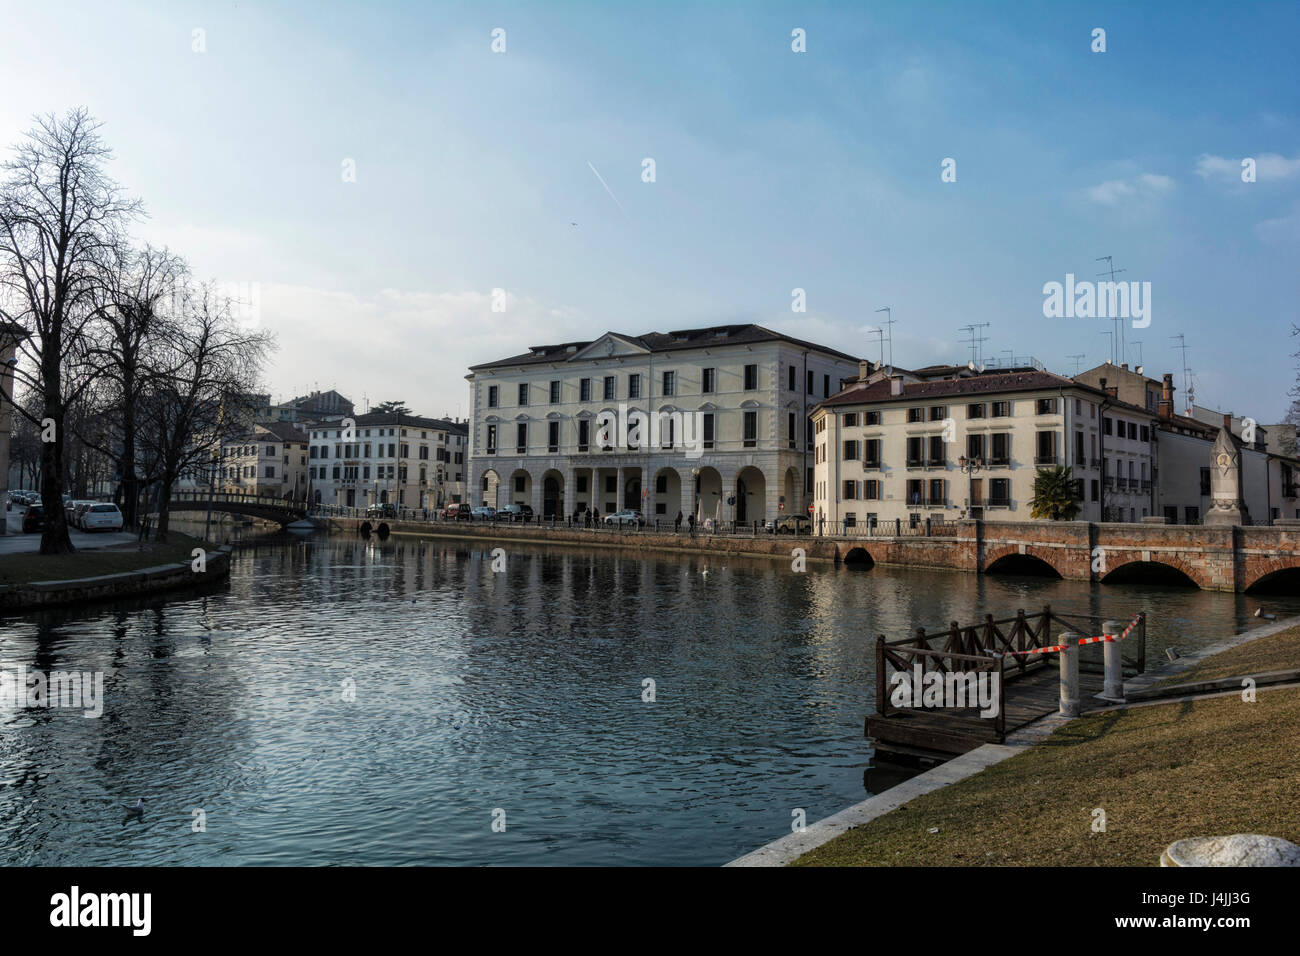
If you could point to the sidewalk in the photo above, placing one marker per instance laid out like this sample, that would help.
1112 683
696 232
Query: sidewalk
15 542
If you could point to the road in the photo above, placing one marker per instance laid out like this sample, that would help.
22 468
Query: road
15 542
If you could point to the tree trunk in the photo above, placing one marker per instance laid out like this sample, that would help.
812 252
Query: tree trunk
164 501
54 539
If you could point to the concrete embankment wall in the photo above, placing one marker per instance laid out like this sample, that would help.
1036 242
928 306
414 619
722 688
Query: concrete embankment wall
163 577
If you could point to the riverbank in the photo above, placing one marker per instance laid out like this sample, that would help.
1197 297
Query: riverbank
1158 772
123 570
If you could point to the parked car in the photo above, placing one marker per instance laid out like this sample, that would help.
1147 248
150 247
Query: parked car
79 512
790 524
485 513
101 517
34 519
626 516
516 513
457 511
386 510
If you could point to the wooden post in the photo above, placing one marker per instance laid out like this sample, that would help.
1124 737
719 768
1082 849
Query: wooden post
882 697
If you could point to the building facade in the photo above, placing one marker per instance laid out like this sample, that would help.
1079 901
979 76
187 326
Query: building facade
270 460
387 458
906 451
724 414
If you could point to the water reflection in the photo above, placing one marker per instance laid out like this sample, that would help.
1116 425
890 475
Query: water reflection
475 690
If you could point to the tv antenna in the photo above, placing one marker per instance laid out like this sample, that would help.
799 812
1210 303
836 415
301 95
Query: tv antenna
1187 373
1077 359
881 333
1117 340
889 321
976 341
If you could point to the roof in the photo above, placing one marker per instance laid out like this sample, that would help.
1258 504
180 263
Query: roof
976 385
711 336
404 421
285 431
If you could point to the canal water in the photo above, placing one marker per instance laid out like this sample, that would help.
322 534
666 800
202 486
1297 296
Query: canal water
348 701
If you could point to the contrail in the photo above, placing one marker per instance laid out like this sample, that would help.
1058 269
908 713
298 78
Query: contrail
607 189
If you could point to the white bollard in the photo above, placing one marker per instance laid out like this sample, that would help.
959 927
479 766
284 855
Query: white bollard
1069 674
1114 685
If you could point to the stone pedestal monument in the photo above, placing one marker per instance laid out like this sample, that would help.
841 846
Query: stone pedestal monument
1227 504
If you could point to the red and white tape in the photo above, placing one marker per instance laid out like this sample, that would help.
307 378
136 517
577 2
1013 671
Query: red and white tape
1084 640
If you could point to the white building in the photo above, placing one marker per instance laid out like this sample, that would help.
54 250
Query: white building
970 446
269 460
740 394
387 457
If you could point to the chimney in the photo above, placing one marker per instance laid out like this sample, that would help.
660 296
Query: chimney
863 368
1112 391
1166 406
895 385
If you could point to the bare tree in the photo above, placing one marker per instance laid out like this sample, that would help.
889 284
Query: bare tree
200 394
141 287
59 212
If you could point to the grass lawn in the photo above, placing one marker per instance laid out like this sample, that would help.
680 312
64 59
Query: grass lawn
1161 773
1274 653
25 568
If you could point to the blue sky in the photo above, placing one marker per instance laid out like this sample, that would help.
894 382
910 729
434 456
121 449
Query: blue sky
774 170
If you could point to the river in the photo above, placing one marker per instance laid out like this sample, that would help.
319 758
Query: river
512 697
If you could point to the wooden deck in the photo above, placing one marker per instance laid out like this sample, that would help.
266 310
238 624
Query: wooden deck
917 732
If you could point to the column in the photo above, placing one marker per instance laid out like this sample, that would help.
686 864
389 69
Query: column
569 493
538 487
619 490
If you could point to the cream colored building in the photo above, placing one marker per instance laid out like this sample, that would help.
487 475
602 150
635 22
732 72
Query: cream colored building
730 404
388 458
271 460
903 451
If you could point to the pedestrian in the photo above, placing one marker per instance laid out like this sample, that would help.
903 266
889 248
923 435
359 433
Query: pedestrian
677 525
690 521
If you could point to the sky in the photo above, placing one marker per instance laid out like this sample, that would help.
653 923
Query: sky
368 174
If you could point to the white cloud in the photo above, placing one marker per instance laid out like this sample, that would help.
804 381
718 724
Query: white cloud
1268 167
416 346
1281 230
1141 187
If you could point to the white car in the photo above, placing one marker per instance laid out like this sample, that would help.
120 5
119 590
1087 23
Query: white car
101 517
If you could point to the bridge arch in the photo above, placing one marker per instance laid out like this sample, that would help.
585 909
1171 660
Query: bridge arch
1032 561
1279 576
857 556
1167 569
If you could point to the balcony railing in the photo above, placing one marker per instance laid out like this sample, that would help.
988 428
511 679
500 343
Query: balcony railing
1045 460
915 462
997 501
873 464
1000 462
936 462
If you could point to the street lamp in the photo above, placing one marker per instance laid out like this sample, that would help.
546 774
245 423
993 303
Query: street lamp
969 467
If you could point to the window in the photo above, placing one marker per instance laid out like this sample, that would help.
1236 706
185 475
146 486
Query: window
582 484
1000 492
523 393
611 484
492 396
1145 434
1096 487
938 455
491 439
938 413
1205 484
584 434
711 380
1193 515
670 383
871 489
850 490
520 483
916 415
811 377
270 471
850 450
555 393
790 427
871 418
1079 457
1001 449
871 453
915 491
584 390
826 386
792 381
1107 425
1046 449
1047 406
850 419
610 388
552 436
661 485
914 451
975 410
975 446
521 438
634 386
751 377
937 495
1001 410
708 430
1132 431
751 429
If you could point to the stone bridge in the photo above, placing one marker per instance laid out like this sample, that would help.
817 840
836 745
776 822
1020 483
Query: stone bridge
1215 559
265 507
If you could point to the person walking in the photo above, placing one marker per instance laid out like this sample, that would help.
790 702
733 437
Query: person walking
677 525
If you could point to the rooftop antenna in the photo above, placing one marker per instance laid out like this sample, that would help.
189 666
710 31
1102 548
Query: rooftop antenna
1112 344
1117 340
1187 373
982 339
1077 359
881 333
889 321
1138 343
